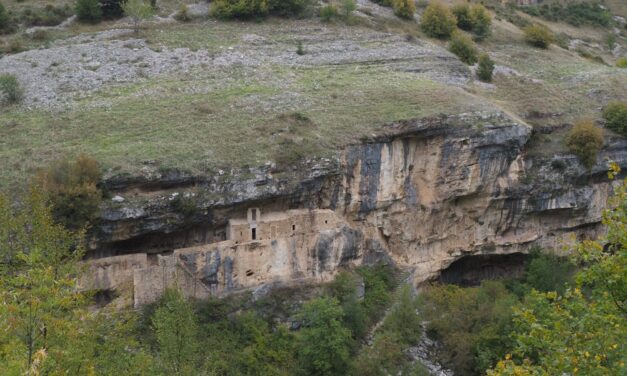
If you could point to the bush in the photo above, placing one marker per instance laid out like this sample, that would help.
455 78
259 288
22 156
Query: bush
241 9
291 8
615 115
348 7
248 9
622 62
111 9
404 8
88 11
328 12
485 68
585 140
71 187
137 11
50 15
471 324
547 272
5 20
462 46
539 35
10 87
481 21
438 21
574 13
183 14
462 14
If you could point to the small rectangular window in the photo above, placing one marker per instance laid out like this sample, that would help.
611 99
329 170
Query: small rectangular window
254 234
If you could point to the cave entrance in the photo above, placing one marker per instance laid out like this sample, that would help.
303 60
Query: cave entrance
254 234
472 269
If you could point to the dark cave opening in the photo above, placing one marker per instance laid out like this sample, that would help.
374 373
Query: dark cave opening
472 269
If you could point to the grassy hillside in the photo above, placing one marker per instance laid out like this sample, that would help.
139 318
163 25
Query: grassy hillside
251 98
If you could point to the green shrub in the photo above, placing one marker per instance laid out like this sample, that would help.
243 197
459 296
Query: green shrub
328 13
615 115
548 272
462 46
183 14
471 324
291 8
485 68
481 21
241 9
438 21
248 9
10 87
348 7
72 189
111 9
5 20
622 62
585 140
137 11
462 14
88 11
404 8
574 13
50 15
539 35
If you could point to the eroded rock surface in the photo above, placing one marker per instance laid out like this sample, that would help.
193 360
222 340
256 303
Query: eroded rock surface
422 196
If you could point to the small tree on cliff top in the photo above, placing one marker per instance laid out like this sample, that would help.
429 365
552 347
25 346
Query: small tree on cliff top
138 11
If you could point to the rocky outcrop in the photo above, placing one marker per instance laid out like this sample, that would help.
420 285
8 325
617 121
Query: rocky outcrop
422 195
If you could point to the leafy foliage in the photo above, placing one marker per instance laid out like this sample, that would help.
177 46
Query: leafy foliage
485 68
539 35
481 21
582 331
88 11
325 342
175 329
438 21
10 88
462 46
71 186
585 140
329 12
473 18
404 8
622 62
471 324
4 18
41 306
574 13
548 272
615 115
137 11
248 9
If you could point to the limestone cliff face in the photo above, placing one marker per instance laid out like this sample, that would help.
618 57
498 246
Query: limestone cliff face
422 195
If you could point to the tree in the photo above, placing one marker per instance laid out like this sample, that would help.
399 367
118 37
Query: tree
324 340
137 11
481 21
585 140
4 18
71 186
582 331
41 314
88 11
485 68
437 21
404 8
462 14
462 46
348 7
539 35
615 115
175 329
